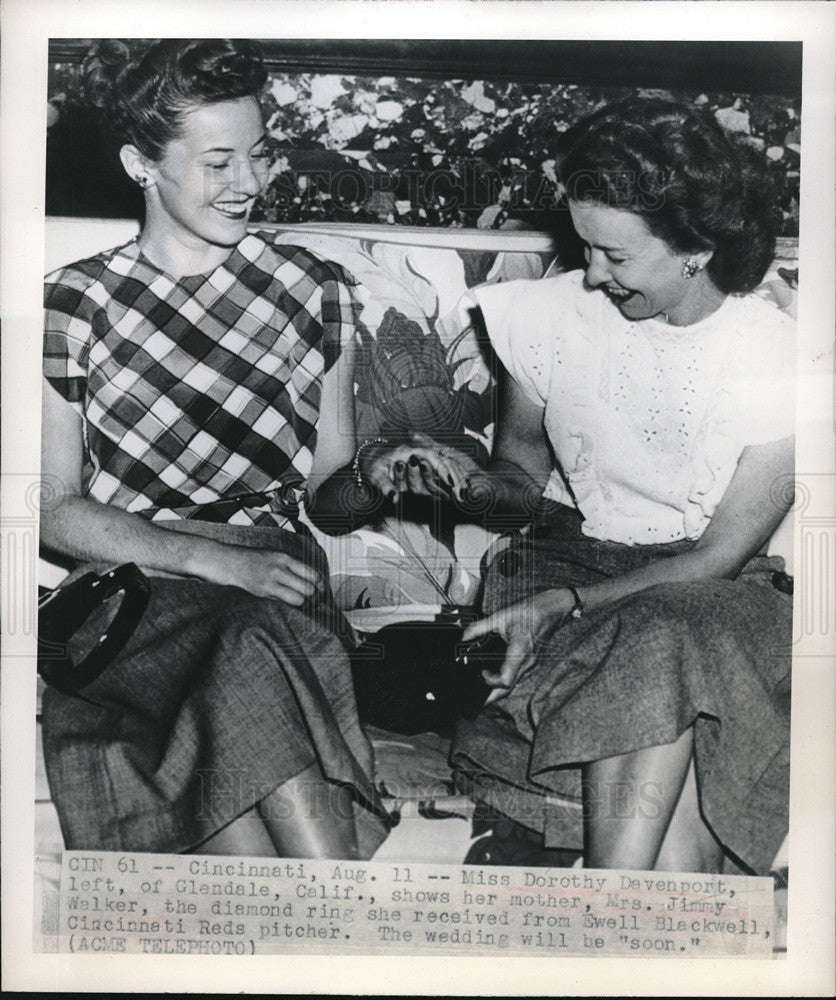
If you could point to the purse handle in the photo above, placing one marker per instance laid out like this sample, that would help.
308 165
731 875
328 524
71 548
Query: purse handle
63 611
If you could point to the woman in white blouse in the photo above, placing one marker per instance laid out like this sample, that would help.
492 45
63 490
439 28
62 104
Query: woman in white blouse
646 422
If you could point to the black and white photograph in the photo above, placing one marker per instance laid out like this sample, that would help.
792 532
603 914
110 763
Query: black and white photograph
430 543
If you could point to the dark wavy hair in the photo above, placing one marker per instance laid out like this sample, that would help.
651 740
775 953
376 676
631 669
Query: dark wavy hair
696 186
143 97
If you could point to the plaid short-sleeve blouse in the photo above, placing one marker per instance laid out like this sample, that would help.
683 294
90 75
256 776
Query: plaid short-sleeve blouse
201 389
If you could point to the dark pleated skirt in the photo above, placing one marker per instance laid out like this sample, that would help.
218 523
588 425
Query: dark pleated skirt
218 698
634 673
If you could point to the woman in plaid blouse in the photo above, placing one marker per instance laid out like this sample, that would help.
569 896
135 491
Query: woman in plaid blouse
202 374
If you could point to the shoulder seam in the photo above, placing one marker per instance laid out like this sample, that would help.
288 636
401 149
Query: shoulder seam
75 271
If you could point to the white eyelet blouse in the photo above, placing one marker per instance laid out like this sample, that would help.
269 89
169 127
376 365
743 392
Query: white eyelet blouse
647 420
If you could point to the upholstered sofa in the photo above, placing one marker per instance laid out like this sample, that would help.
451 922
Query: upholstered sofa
423 367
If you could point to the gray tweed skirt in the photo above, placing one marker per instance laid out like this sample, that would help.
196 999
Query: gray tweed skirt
218 698
634 673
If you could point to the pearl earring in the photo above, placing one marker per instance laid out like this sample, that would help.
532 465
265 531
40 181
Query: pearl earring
690 267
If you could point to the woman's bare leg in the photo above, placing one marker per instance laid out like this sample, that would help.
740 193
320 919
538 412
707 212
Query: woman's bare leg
306 817
309 817
689 844
629 801
246 836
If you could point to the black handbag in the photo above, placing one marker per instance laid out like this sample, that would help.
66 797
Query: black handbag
413 677
63 611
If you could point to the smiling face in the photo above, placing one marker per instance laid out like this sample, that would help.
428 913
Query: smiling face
639 272
204 185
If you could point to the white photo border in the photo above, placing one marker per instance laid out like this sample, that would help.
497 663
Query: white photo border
27 26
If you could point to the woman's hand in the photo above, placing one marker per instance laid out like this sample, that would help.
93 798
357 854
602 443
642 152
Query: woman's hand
263 573
524 626
423 467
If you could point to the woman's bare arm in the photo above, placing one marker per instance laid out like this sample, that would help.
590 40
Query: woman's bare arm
336 440
745 519
510 488
86 530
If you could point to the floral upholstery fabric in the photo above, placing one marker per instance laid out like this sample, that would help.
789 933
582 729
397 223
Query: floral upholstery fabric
421 367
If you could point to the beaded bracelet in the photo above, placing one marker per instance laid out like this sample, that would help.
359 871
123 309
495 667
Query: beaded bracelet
355 465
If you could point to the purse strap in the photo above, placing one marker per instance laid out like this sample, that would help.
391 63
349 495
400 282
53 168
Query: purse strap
63 611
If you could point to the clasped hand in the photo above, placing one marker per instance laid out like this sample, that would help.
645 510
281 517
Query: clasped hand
524 626
423 467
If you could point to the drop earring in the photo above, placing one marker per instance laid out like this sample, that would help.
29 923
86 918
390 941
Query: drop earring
690 267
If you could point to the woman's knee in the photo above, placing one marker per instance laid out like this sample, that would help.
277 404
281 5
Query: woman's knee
268 634
248 621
